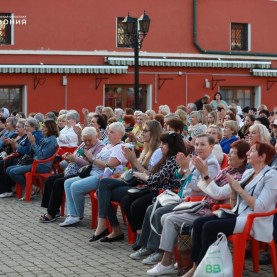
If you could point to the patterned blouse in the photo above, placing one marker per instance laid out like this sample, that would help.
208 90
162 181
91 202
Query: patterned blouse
221 180
164 177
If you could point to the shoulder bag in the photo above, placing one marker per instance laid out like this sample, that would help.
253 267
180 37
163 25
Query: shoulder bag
84 171
168 197
129 179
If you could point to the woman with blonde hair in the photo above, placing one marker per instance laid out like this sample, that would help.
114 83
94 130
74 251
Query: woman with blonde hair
258 133
184 117
135 137
216 133
212 118
108 111
164 109
230 130
196 124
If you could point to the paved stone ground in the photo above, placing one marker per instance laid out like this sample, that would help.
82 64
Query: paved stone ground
29 248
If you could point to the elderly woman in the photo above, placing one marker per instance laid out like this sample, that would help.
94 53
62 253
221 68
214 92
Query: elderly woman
258 133
62 121
115 189
75 188
164 109
196 125
151 114
42 150
216 191
229 135
135 137
54 185
100 124
68 137
118 112
216 133
9 133
108 112
5 185
255 193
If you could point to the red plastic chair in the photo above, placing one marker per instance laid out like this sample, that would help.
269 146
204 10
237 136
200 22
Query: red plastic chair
224 162
32 177
94 213
62 150
239 243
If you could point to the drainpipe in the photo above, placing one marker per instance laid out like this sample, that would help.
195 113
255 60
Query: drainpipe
195 42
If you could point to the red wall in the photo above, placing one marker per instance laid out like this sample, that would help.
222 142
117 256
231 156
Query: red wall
91 25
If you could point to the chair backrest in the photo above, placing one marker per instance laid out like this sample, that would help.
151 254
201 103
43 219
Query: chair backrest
64 149
224 162
37 162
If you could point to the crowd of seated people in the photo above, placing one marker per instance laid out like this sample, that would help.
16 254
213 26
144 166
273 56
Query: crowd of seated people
165 150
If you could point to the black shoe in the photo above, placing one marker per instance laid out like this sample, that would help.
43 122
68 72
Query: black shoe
265 258
97 237
117 238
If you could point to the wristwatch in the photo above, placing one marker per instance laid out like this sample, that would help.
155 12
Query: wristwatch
207 177
185 170
93 159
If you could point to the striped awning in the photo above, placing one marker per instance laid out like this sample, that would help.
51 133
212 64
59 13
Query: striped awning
63 69
188 63
265 73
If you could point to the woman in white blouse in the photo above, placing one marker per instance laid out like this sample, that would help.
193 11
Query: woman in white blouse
68 137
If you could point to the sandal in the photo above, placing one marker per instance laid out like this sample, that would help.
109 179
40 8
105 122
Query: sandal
45 219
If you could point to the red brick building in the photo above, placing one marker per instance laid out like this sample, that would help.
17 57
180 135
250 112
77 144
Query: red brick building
69 54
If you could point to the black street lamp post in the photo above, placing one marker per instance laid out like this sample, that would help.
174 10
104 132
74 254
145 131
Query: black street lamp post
136 29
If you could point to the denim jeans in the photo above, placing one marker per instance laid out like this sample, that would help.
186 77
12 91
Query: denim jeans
16 172
75 190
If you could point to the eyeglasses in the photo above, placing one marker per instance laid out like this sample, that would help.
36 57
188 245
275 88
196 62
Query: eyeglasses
145 131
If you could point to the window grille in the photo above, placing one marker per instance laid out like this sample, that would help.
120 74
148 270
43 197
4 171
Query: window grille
122 39
239 36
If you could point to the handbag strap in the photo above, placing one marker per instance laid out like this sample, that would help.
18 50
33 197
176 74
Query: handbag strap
152 214
187 180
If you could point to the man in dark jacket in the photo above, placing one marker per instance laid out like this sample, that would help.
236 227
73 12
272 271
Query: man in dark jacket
204 100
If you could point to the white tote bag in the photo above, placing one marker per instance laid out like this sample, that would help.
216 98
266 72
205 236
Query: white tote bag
218 260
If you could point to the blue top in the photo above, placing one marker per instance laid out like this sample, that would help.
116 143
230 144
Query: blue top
225 143
24 147
7 134
46 149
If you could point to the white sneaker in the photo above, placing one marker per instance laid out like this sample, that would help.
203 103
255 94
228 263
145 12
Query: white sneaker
141 253
6 194
70 220
154 258
160 269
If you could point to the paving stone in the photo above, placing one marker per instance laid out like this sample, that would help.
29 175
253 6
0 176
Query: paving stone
30 248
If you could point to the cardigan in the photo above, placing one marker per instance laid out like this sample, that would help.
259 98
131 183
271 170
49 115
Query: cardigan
263 188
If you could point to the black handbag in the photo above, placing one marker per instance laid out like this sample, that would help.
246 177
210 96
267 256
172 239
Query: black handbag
138 192
129 179
25 160
84 171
